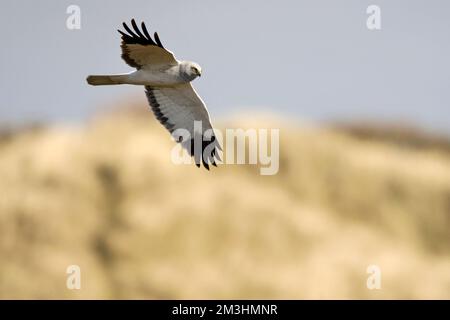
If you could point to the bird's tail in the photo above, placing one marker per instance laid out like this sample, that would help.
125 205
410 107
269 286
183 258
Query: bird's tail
98 80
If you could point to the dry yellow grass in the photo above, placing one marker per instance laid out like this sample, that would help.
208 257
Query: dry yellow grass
106 197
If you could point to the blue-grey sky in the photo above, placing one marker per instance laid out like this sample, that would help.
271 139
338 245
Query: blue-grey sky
312 59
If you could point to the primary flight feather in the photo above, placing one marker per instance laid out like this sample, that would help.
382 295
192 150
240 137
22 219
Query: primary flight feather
170 94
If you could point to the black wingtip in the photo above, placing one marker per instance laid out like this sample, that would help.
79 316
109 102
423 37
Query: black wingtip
158 41
136 29
127 28
144 29
135 36
205 164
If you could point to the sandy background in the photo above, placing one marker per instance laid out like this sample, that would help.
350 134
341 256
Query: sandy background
105 196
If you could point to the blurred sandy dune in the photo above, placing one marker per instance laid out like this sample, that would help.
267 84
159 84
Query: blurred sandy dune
106 197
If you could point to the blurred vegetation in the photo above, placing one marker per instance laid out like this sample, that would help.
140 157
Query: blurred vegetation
106 197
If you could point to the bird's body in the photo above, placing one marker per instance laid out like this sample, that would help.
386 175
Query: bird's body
170 94
163 76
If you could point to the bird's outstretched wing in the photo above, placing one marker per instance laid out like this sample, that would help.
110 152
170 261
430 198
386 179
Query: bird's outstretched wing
139 50
179 107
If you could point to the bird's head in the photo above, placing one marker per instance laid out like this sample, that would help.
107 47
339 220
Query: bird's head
191 70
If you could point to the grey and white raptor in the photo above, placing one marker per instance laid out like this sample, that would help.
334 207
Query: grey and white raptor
168 87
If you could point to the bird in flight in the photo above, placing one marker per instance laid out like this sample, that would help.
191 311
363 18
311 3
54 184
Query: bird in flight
169 91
